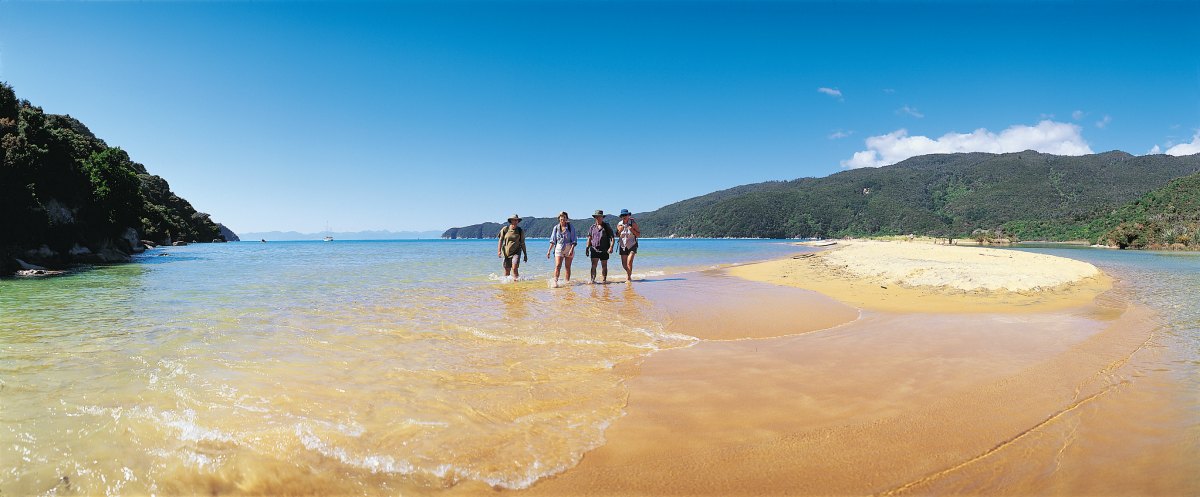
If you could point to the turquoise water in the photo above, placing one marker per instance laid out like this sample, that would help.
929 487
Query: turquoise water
366 367
1169 283
294 367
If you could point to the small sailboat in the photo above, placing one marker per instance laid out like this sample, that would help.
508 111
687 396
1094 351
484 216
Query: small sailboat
328 234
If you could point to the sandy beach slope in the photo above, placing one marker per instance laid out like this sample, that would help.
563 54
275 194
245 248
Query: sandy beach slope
923 277
956 395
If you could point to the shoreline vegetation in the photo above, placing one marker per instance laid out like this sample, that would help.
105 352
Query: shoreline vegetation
1112 198
974 370
67 197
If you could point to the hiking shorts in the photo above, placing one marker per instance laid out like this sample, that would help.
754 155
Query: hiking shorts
511 262
561 250
626 251
598 254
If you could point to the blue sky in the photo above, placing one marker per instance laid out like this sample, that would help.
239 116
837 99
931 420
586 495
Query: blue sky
422 115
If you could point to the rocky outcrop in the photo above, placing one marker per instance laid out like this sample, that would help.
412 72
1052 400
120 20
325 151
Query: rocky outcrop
227 233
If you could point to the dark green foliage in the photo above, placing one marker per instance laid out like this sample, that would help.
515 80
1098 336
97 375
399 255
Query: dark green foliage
1166 218
1026 195
115 200
60 186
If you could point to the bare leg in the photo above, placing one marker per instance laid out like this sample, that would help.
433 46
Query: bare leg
604 270
627 263
594 261
558 260
568 259
516 271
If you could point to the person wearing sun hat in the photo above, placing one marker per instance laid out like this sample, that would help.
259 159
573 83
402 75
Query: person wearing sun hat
628 233
600 244
511 247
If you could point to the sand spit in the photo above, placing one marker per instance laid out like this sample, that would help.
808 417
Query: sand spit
924 277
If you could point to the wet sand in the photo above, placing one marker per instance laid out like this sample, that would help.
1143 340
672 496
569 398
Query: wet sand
1031 397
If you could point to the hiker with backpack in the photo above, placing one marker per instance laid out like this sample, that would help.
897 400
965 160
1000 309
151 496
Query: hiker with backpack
512 246
562 244
600 244
628 233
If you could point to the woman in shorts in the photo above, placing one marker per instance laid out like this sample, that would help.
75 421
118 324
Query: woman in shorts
628 233
562 244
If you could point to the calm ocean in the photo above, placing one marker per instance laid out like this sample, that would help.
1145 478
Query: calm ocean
364 367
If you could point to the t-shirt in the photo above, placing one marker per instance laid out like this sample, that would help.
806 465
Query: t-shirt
512 241
628 238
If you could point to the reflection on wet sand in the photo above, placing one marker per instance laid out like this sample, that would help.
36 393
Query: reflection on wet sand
1056 402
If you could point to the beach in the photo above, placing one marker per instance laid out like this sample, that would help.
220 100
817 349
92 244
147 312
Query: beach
377 368
971 371
917 277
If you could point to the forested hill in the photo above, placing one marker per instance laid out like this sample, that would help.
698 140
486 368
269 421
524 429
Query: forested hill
1166 218
1028 195
66 196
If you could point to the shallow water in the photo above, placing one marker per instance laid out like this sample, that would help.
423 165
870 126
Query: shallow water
1168 283
382 367
344 367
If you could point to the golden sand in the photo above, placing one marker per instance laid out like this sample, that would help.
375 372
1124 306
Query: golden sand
923 277
899 404
1060 402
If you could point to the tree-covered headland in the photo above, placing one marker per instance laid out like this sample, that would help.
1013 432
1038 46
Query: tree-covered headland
68 197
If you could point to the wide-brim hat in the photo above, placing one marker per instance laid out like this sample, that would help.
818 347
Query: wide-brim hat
625 212
514 216
598 213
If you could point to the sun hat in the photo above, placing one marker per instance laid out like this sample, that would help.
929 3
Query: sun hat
598 213
514 216
625 212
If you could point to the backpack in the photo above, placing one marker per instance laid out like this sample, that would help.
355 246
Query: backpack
600 239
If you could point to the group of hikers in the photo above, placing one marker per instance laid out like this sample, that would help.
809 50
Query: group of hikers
600 243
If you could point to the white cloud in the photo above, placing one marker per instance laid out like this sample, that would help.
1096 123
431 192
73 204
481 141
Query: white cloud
1185 148
1104 122
1077 115
1154 151
910 111
889 91
839 134
1047 136
833 92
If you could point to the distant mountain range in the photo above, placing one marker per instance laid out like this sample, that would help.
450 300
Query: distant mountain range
1023 195
339 235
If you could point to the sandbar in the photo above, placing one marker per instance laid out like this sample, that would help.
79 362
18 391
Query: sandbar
1046 389
923 277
